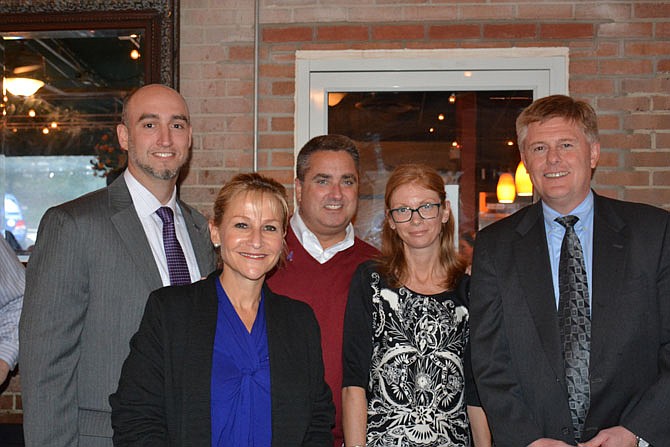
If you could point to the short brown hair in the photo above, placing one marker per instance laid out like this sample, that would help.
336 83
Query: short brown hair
558 106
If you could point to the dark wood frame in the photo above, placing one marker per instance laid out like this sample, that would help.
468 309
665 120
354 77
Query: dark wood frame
158 18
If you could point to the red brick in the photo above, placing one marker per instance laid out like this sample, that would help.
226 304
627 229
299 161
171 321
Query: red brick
608 158
649 159
482 12
566 30
661 102
662 140
653 196
583 67
297 34
647 48
275 141
626 30
283 176
608 122
551 11
650 10
510 31
454 32
398 32
282 159
662 30
624 103
607 11
661 178
591 86
625 178
625 67
241 53
647 121
343 32
279 124
663 65
283 88
625 141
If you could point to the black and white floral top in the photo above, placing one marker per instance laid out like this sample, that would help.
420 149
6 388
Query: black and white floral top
410 352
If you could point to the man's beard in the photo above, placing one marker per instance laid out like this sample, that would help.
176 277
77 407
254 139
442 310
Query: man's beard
165 174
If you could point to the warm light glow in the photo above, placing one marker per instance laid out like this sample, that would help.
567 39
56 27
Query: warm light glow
467 74
31 113
23 86
45 130
506 190
431 130
452 98
524 187
440 117
454 144
510 143
134 54
335 98
54 124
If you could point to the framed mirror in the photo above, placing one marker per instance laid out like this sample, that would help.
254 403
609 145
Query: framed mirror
58 139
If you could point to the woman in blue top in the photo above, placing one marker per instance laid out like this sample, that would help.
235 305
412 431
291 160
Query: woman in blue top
225 361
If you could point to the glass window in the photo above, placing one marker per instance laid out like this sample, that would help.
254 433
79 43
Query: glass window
58 141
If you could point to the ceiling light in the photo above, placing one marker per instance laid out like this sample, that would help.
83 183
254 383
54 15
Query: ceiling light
506 191
524 187
134 54
22 86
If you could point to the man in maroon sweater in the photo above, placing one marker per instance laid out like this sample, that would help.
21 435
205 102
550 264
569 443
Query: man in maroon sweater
322 249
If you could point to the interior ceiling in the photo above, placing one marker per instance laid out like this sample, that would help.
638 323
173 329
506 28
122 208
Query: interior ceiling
86 71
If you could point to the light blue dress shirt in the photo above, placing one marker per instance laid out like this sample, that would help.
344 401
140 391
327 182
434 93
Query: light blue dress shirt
556 231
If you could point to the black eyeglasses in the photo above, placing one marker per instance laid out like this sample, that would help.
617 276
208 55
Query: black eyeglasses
405 213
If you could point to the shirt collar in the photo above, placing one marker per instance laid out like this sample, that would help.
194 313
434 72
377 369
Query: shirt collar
145 202
584 211
311 243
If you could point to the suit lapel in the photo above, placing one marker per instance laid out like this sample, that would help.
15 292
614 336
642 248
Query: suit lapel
535 276
130 230
610 247
198 232
197 364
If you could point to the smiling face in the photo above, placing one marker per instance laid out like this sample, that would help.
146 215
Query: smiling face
328 196
559 159
156 132
251 235
418 233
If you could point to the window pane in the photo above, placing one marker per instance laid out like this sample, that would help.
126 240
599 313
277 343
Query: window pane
468 136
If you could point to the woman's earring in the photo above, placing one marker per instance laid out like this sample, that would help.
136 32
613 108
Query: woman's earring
217 245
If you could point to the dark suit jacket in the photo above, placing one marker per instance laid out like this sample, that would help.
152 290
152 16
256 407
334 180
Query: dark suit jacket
164 392
516 350
87 282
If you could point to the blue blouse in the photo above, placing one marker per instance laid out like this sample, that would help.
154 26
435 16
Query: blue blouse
241 403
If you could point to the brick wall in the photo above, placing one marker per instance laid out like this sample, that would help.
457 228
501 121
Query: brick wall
619 62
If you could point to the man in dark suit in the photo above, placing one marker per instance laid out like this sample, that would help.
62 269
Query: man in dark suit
530 387
95 262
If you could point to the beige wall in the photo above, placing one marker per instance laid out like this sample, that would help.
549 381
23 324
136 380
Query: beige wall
619 62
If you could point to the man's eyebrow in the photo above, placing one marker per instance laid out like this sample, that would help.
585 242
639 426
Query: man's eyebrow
147 116
319 175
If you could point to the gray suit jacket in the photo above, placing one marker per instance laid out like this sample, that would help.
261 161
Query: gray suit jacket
516 351
87 283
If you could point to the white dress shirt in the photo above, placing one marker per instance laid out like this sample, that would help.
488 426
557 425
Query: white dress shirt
146 205
311 243
12 284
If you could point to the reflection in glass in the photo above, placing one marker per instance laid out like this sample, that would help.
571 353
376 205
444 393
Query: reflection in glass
59 142
465 135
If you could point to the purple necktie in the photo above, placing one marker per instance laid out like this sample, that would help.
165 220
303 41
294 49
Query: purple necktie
177 267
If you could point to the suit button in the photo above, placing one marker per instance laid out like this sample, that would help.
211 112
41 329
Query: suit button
565 430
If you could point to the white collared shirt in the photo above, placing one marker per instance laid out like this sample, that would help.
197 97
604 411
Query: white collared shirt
311 243
146 205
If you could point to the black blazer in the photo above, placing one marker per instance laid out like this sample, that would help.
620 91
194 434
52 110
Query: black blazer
164 391
516 352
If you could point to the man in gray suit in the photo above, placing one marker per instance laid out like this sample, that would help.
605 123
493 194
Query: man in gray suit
95 262
570 305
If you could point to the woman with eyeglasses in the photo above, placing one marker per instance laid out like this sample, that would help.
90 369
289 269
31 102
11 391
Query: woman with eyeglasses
407 378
